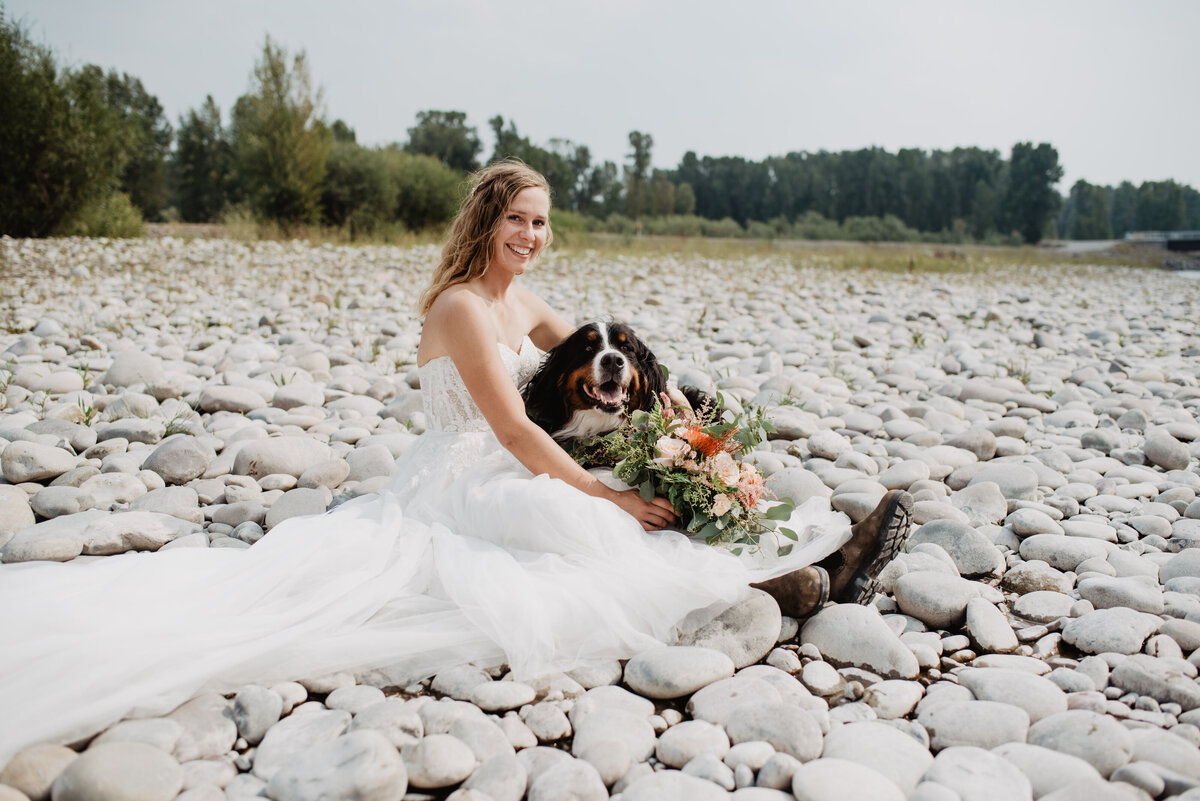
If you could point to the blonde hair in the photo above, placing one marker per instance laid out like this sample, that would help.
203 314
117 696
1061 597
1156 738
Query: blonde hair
468 249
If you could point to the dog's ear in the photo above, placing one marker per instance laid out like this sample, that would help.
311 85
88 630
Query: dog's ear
650 380
544 394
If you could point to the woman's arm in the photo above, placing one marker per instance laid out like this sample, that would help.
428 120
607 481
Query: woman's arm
462 324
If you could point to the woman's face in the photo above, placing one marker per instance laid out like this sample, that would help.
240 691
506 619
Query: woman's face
523 231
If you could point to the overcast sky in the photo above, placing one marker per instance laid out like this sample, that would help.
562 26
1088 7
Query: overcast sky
1111 84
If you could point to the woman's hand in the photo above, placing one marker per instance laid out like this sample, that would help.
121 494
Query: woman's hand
654 515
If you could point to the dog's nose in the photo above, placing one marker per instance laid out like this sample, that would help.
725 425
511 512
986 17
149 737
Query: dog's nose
612 361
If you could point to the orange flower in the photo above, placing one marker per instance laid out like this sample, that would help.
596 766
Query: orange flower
708 445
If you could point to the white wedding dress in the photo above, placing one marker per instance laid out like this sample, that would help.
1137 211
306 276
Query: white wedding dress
464 557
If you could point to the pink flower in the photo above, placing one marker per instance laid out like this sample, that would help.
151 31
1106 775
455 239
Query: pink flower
725 469
750 487
671 451
721 505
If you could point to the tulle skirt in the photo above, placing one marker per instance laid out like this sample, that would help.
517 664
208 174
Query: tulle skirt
464 557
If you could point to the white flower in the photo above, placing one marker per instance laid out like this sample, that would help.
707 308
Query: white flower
726 469
721 505
671 450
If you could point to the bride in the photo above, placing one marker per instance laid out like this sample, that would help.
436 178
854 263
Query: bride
489 544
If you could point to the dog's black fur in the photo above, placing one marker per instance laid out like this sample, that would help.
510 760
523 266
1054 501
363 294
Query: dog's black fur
594 379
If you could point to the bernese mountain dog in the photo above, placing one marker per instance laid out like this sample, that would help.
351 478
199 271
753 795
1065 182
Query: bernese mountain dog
590 382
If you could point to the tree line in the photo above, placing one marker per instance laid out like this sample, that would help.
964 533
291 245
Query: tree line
84 151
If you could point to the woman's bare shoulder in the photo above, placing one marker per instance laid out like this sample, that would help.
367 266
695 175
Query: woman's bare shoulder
456 311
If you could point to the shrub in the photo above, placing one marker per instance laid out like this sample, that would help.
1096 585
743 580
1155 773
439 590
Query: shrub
674 225
726 227
428 192
112 215
814 225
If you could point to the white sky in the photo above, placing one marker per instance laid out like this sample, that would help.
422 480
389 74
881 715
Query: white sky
1111 84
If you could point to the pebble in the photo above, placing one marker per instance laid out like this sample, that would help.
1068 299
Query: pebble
436 761
973 554
1038 696
361 764
1119 630
885 749
1046 769
129 770
1097 739
849 634
934 598
787 729
676 671
831 779
979 775
745 632
985 724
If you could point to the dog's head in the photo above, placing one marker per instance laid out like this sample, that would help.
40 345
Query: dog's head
591 380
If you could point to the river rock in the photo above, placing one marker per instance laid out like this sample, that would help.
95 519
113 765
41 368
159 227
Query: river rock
1163 450
288 455
745 632
436 761
23 461
1119 630
297 733
883 748
33 771
1038 696
1097 739
133 771
255 710
936 599
179 459
685 741
972 552
1157 678
830 779
361 765
853 635
1046 769
985 724
979 775
675 671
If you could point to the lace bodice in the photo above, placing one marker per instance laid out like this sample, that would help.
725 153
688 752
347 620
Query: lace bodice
448 405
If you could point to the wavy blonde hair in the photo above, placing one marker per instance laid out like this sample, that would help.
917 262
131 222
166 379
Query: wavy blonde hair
468 250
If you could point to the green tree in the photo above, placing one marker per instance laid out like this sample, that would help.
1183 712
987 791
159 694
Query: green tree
427 192
446 136
636 199
201 164
60 141
1089 218
662 194
359 190
1191 204
1030 199
147 140
1160 206
685 199
983 209
1124 209
280 141
342 132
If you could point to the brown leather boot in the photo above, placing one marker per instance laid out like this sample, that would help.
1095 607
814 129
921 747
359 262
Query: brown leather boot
874 541
800 592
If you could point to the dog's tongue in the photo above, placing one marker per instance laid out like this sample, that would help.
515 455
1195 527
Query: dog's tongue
611 394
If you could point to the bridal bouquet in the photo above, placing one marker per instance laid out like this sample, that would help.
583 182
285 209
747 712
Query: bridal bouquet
696 467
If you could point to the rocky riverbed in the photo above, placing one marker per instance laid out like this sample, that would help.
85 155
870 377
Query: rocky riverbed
1040 637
